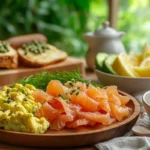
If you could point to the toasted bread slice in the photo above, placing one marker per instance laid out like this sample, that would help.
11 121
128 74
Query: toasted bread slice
38 54
8 56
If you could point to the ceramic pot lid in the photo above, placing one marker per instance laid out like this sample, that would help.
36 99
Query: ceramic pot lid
106 31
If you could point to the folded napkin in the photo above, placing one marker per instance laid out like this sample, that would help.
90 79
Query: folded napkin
126 143
129 141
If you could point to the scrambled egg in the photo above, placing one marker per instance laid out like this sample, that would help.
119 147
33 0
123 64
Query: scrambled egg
17 107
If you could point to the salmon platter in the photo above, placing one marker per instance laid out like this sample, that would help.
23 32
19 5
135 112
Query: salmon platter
55 107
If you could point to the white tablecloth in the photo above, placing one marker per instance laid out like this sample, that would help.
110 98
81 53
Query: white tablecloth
126 143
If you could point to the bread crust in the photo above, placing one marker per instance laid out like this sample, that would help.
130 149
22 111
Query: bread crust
9 61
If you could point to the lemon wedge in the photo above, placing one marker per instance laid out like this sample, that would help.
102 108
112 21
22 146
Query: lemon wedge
123 65
145 62
135 58
142 71
146 51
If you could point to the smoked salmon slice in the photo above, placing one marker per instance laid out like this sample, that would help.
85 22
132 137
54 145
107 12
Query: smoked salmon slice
124 100
92 92
60 122
120 112
104 119
87 103
41 97
68 113
113 99
47 111
78 122
96 93
67 108
55 88
81 86
104 105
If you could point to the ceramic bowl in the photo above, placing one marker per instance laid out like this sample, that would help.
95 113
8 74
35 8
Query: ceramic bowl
146 102
127 84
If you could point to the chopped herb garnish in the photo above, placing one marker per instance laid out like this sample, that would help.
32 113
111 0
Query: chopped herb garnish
4 47
25 99
71 84
42 79
77 93
59 95
64 98
87 84
8 90
7 100
72 92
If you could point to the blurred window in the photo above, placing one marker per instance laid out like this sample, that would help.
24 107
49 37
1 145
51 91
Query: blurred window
134 19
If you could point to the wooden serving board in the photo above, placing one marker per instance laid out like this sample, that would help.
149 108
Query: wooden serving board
9 76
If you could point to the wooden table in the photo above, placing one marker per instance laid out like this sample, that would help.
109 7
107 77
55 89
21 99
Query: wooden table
11 147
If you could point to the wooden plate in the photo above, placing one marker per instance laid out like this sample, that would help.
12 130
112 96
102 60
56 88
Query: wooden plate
76 137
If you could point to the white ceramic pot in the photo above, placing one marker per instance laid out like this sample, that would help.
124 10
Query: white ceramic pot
104 40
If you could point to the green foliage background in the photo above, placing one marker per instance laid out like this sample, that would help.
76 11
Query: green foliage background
134 19
64 21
